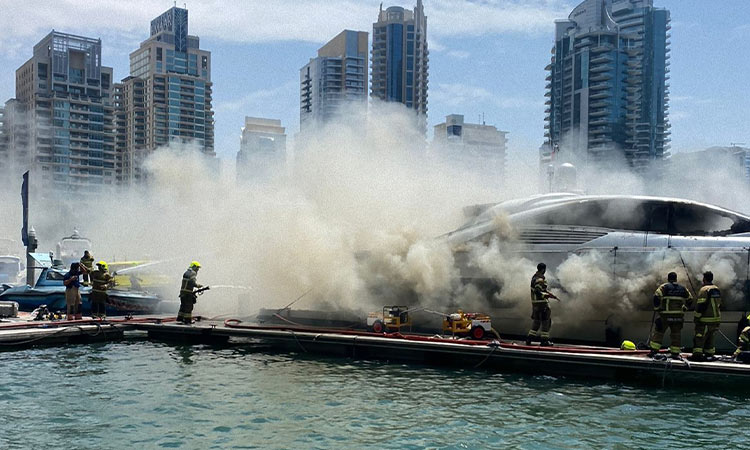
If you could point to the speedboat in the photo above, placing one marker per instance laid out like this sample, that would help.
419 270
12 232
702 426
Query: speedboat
50 291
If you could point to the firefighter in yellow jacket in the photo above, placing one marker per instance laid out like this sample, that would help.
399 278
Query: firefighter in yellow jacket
88 262
707 319
541 314
743 343
671 300
100 280
187 295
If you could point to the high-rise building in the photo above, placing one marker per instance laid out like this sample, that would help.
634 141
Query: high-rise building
476 147
400 59
60 124
4 164
167 97
262 147
607 91
335 78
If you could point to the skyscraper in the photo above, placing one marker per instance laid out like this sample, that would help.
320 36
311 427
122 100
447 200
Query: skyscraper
167 97
479 148
262 147
607 92
400 62
336 77
3 142
60 124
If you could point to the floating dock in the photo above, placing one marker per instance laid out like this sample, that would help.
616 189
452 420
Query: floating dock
577 361
18 333
503 356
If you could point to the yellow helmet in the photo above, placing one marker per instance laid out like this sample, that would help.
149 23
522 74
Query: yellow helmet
195 265
627 345
103 265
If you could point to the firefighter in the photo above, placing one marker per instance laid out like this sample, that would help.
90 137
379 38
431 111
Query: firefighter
88 262
100 279
743 343
671 300
707 319
540 311
187 296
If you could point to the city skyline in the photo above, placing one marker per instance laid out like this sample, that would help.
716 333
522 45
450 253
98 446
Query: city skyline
608 85
487 58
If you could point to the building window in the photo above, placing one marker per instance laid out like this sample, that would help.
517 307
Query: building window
454 130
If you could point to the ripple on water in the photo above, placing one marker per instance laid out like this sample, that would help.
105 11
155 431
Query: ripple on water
147 395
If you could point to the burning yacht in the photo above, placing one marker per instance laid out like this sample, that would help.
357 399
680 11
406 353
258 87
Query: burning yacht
628 234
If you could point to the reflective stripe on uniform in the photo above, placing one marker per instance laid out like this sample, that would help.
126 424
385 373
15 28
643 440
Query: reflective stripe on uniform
672 305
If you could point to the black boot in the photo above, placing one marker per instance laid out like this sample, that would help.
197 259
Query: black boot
547 343
528 341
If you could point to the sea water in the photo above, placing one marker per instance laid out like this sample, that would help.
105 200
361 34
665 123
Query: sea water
141 394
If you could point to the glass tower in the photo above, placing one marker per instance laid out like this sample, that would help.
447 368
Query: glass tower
167 97
61 123
400 59
337 76
607 90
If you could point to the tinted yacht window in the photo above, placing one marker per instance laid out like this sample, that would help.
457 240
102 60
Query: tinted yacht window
659 214
693 220
620 214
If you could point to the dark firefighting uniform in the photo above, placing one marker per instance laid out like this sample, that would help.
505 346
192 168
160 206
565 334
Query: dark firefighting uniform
100 280
540 311
707 319
671 300
89 264
187 297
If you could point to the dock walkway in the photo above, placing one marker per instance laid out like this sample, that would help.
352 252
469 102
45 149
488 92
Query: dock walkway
502 356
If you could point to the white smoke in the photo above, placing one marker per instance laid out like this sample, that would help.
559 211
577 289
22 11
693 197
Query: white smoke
354 221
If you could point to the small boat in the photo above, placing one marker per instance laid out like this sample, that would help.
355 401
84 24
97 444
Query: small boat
50 291
11 267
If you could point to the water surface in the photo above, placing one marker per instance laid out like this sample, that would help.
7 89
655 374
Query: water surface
140 394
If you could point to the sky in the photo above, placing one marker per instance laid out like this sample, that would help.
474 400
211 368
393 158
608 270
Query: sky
487 58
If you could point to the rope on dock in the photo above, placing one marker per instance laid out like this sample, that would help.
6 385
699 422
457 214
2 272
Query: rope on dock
495 346
725 337
298 342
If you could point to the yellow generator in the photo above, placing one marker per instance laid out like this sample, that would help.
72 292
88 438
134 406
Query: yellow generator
393 318
473 325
